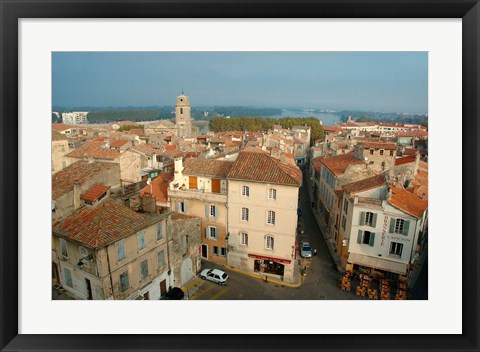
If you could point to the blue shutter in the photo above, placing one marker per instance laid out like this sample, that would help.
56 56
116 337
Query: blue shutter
362 218
374 220
207 212
215 211
392 225
359 237
372 239
406 225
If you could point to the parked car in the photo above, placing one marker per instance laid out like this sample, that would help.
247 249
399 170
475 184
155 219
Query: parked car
175 293
215 275
306 250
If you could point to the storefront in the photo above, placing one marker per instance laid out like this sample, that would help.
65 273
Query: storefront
377 267
269 265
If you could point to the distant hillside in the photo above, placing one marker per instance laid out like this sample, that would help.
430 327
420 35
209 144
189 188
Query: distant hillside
368 116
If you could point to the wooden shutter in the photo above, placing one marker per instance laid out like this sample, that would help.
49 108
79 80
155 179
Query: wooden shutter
392 225
192 182
406 225
362 218
176 206
359 237
215 211
372 239
207 211
215 185
374 220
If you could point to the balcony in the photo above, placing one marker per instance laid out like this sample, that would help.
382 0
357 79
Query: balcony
199 194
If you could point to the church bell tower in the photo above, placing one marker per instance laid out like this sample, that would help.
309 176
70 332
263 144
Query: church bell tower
182 116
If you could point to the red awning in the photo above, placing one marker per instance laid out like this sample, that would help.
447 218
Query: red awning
278 260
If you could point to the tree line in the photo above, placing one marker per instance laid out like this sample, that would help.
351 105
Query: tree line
256 124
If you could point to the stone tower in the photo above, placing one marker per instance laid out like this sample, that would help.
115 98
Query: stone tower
182 116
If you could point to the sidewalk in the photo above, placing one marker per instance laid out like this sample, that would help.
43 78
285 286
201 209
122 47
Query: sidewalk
297 276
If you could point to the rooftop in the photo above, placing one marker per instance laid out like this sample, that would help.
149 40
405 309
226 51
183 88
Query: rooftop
94 150
407 202
159 187
98 226
378 145
339 164
95 192
118 143
405 160
206 167
365 184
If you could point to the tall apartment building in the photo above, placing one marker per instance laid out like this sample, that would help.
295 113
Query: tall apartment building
75 118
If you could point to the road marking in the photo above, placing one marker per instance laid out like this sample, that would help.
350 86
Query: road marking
191 284
201 293
220 293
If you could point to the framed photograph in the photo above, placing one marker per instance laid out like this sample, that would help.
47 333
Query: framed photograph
40 39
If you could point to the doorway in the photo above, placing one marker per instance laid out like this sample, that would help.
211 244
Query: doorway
204 251
89 289
163 287
146 296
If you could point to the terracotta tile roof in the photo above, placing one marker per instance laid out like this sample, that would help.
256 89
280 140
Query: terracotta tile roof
405 160
207 167
60 127
146 149
94 150
365 184
254 164
233 144
159 187
95 192
407 202
339 164
137 131
422 165
317 163
379 145
410 151
216 140
98 226
168 138
81 171
57 136
170 147
118 143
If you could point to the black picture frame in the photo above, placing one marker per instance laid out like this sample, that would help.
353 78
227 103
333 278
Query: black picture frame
12 11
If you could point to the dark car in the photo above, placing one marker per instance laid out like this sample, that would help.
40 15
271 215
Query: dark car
175 293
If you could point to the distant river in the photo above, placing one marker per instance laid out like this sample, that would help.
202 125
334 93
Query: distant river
327 119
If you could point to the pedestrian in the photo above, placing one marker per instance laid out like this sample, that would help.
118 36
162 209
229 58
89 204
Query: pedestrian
314 252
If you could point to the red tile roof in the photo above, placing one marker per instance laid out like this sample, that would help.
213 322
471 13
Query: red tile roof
118 143
330 128
60 127
170 147
405 160
159 187
168 138
98 226
317 163
146 149
95 192
81 171
206 167
407 202
57 136
137 131
365 184
94 150
379 145
339 164
255 165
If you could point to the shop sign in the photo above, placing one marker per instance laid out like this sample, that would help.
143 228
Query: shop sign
270 259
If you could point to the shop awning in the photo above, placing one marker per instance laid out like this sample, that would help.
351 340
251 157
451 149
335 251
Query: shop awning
278 260
377 263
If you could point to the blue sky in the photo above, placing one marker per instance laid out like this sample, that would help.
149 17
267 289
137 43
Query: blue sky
376 81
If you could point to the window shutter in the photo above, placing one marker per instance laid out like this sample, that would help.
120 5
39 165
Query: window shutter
362 218
372 239
215 212
359 237
207 213
392 225
176 206
185 207
374 220
406 225
207 232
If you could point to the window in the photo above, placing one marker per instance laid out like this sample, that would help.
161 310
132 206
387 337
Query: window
271 217
244 239
141 240
344 222
161 258
371 151
366 237
213 211
120 245
183 207
124 284
391 152
215 250
159 232
181 110
212 232
400 226
381 151
396 249
83 254
144 269
68 277
63 247
269 242
244 214
345 206
245 191
369 218
272 193
223 252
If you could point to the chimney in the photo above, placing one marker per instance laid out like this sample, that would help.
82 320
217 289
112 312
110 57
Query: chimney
178 168
76 194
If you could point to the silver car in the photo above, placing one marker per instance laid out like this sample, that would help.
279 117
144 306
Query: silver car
306 250
215 275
